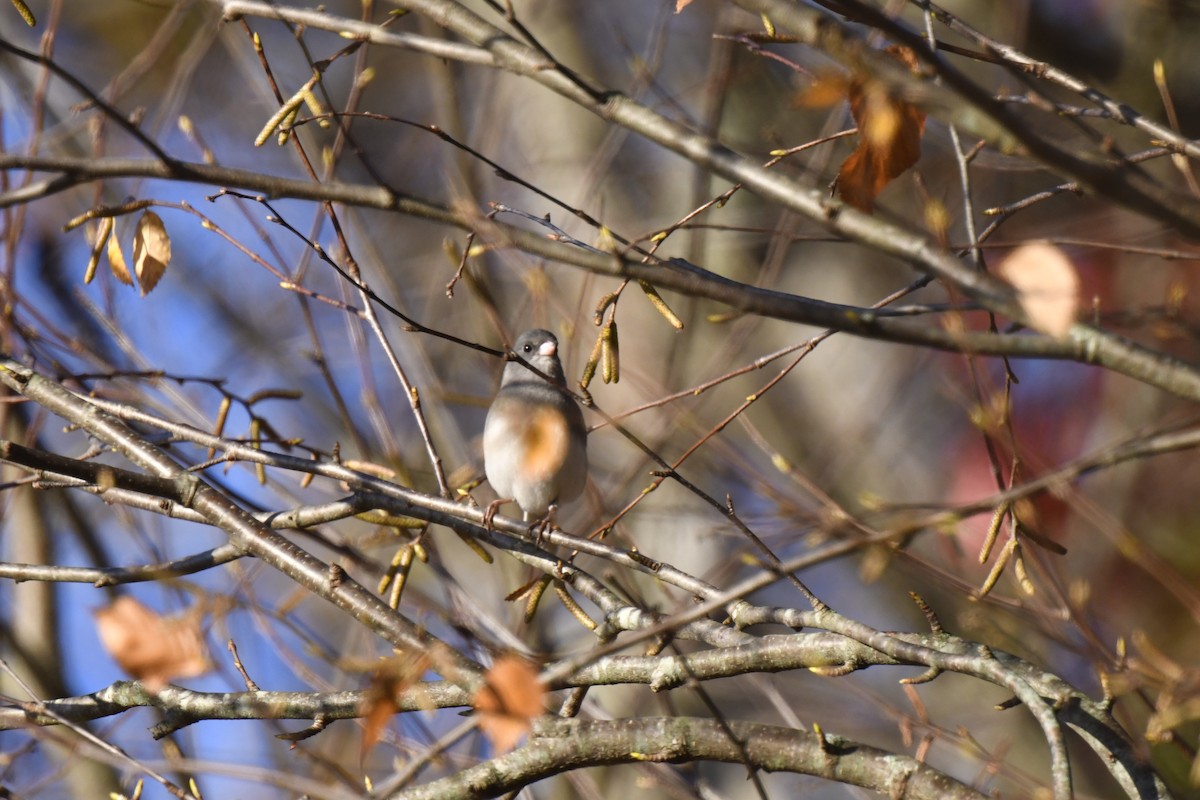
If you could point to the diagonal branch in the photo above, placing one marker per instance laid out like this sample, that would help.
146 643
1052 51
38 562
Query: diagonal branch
243 530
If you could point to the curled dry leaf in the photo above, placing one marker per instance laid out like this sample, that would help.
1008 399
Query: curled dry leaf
1047 286
98 237
509 699
151 251
152 648
116 260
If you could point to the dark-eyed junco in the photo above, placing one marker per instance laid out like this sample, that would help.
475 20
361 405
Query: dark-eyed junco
534 440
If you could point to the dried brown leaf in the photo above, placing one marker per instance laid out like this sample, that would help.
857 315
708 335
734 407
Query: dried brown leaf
508 701
379 706
380 701
151 251
890 132
152 648
1047 286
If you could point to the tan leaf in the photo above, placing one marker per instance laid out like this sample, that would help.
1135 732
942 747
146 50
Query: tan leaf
116 261
509 699
152 648
1047 286
680 5
380 700
889 140
151 251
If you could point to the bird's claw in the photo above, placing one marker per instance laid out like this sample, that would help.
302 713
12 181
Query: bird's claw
544 525
489 513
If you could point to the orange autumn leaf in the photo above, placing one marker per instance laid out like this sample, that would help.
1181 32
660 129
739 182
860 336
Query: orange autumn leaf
152 648
380 701
889 130
890 133
511 696
1047 286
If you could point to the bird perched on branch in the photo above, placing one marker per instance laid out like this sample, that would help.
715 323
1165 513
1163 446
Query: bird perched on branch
534 439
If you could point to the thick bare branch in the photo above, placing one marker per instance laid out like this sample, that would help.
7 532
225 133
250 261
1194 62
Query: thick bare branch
555 747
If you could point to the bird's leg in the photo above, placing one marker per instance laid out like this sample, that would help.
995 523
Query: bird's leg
489 514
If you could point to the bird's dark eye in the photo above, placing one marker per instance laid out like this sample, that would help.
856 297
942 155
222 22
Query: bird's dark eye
528 348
